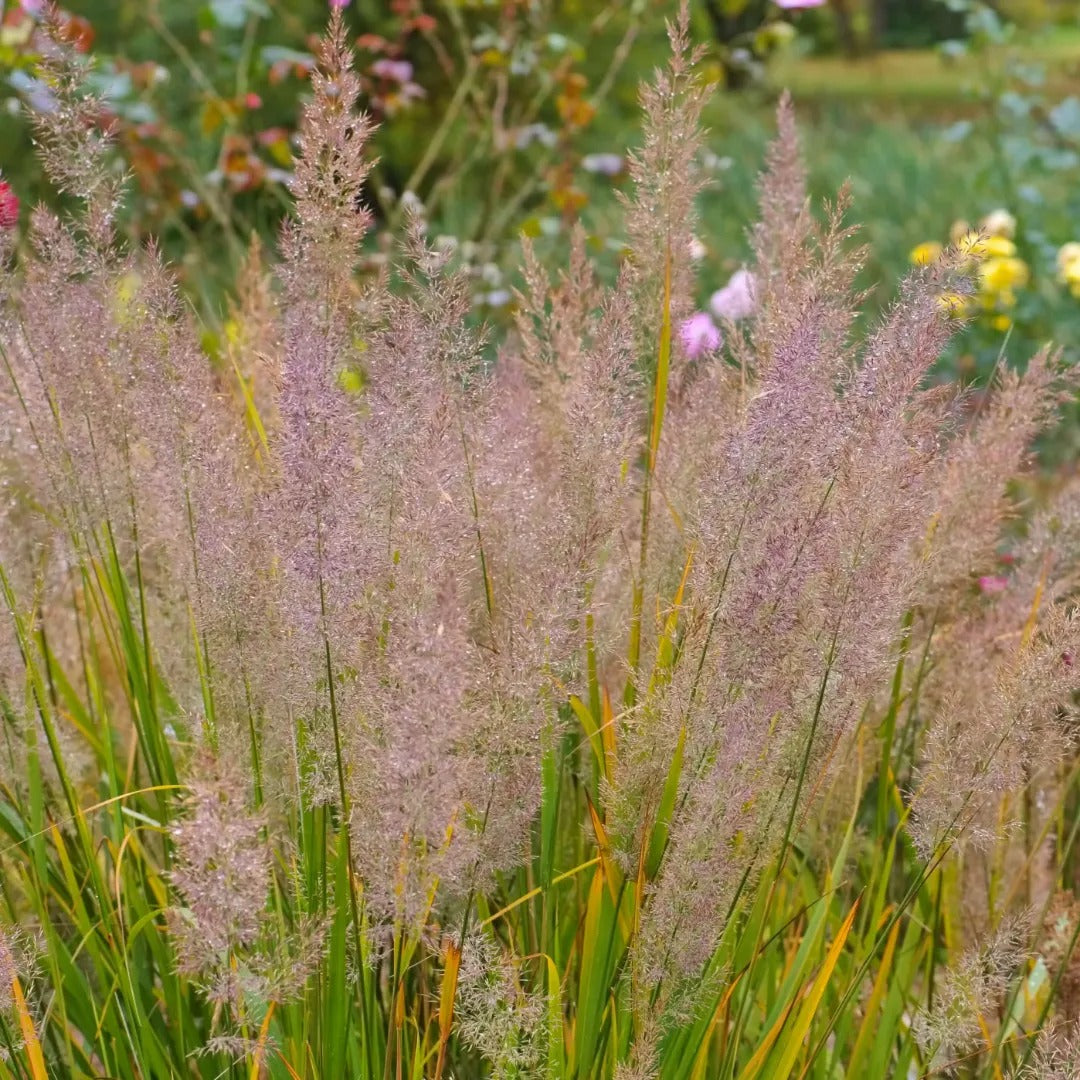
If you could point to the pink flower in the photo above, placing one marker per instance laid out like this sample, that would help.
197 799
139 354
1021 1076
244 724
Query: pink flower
736 299
791 5
338 4
399 71
9 206
699 335
993 583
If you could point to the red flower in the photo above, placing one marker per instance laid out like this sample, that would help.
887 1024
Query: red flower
9 206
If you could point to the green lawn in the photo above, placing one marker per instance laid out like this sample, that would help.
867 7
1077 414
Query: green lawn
926 77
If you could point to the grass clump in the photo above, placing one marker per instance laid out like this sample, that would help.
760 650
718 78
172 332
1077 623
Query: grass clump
611 712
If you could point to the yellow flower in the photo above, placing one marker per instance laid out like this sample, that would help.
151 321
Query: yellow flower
1001 322
1068 255
1000 247
925 253
1002 274
1068 260
999 223
953 304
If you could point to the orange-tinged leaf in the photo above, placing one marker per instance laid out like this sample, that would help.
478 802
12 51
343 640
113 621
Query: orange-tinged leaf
793 1042
259 1055
702 1059
29 1036
291 1071
447 993
611 873
753 1066
585 1021
873 1003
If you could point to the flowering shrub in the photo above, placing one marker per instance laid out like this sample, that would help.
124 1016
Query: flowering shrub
1000 272
1028 120
612 711
202 105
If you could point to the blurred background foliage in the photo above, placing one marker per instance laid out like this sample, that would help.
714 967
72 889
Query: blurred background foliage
500 117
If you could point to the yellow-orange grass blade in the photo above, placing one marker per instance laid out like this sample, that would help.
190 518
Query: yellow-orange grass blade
447 992
259 1056
29 1035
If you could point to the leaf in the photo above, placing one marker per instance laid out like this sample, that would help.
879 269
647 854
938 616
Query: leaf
607 863
278 54
597 964
556 1038
793 1042
753 1066
871 1019
447 993
591 729
258 1058
658 841
233 14
29 1035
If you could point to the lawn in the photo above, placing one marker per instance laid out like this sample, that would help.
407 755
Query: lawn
926 81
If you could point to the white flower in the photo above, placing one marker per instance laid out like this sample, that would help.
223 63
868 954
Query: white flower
604 164
999 223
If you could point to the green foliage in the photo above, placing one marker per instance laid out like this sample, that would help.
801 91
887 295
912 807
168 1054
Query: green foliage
823 964
203 99
918 24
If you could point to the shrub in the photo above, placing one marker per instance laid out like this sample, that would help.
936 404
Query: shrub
607 712
202 101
